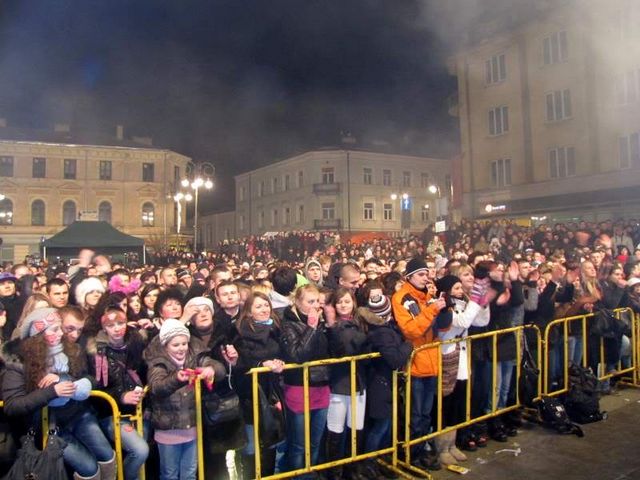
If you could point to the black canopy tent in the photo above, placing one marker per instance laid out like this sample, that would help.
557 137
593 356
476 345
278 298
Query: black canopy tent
98 236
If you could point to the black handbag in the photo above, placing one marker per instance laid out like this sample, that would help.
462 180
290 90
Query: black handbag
529 374
221 407
605 324
272 421
36 464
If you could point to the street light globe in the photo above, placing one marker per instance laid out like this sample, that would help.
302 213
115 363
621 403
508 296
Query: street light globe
405 196
185 182
2 197
208 184
488 208
178 196
197 183
394 196
433 189
188 197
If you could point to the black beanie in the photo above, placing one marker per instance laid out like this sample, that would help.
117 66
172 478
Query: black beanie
415 265
446 283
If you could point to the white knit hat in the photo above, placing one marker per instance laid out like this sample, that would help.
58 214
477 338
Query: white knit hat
199 302
172 328
90 284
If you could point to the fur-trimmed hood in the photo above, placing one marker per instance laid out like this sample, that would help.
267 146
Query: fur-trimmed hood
365 315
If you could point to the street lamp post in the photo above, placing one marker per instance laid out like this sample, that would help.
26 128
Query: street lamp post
196 184
178 197
405 211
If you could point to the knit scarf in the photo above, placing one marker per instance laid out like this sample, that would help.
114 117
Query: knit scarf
58 359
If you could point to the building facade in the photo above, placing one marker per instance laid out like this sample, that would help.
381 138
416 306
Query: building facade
341 189
47 186
548 97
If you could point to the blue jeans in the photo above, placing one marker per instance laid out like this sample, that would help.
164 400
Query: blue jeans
86 444
178 462
423 390
503 382
575 350
378 435
134 447
295 436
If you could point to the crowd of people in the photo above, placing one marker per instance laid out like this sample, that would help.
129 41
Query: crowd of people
295 298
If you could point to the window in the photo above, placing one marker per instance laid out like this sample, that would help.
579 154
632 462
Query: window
37 213
327 175
496 68
406 179
274 217
367 211
386 178
148 172
148 214
6 212
70 166
176 175
274 184
498 120
387 211
241 222
629 150
368 176
241 194
300 213
261 220
328 211
287 216
287 183
555 48
300 179
501 172
424 180
68 212
562 162
425 214
627 87
558 105
6 166
105 170
261 189
39 167
448 185
104 212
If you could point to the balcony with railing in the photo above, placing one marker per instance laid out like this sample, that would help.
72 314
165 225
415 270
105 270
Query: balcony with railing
326 188
327 224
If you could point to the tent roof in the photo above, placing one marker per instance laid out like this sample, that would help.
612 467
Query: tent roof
92 235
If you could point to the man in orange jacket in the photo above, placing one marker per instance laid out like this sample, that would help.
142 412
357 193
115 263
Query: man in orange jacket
416 313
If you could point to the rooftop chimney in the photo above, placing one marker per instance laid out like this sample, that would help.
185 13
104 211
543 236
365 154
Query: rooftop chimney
3 122
61 127
120 132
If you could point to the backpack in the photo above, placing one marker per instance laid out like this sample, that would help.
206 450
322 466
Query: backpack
553 415
582 401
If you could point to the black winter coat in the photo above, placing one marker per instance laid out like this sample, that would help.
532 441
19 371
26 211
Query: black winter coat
300 343
120 363
255 344
388 340
348 338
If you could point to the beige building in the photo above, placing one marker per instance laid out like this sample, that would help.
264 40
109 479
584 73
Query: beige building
47 186
216 227
342 189
548 102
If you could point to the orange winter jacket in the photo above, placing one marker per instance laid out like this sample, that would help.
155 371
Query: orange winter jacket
417 329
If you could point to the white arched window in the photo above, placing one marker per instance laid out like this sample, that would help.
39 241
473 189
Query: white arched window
104 212
68 212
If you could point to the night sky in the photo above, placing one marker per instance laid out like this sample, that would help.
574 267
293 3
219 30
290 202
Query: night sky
237 83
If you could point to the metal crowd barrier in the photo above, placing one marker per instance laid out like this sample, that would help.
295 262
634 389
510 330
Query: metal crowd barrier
395 464
583 321
495 411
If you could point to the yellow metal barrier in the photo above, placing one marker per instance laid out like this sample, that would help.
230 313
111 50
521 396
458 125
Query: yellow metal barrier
584 320
495 411
351 457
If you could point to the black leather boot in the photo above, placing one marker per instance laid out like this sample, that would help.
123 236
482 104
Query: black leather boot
334 452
